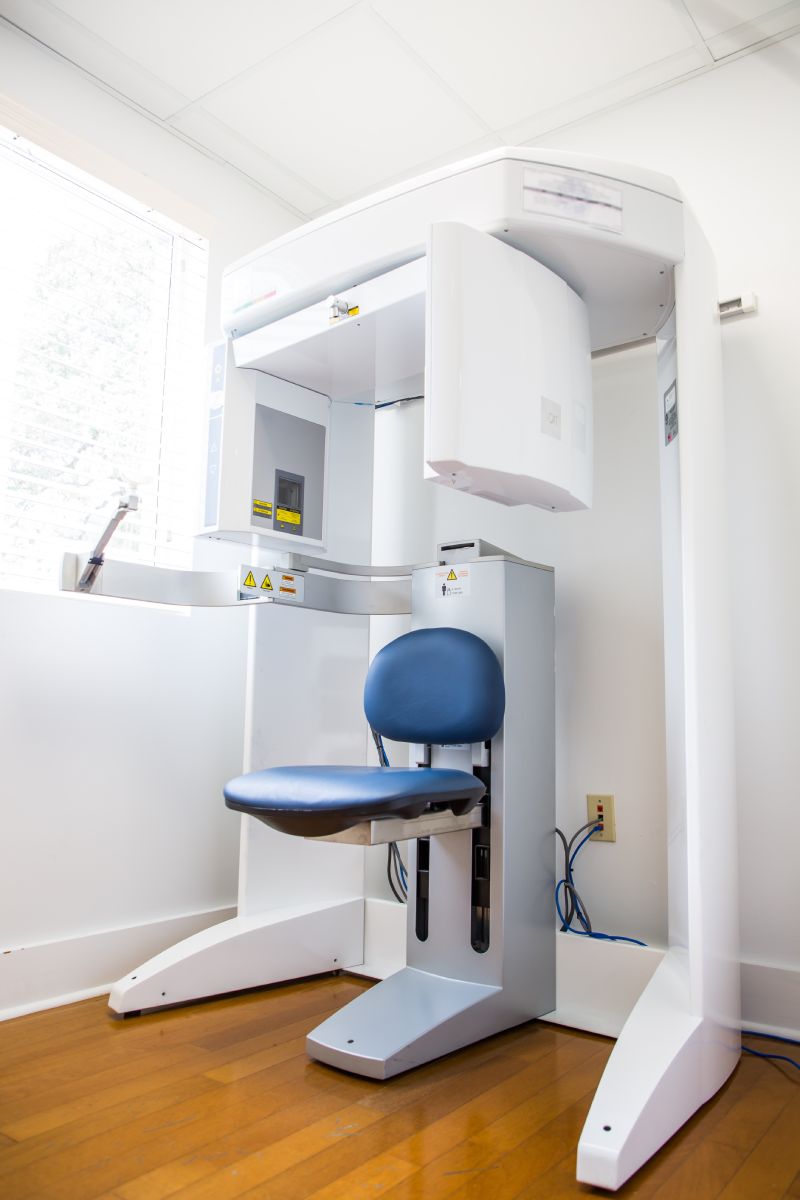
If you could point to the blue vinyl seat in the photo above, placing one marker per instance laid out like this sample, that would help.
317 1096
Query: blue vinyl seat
431 686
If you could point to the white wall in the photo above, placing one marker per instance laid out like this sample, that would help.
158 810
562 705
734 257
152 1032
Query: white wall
119 724
730 140
609 655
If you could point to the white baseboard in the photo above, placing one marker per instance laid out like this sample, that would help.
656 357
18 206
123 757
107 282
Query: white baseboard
771 999
598 983
49 974
384 939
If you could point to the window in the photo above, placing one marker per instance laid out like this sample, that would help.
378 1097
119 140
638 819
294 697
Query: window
102 308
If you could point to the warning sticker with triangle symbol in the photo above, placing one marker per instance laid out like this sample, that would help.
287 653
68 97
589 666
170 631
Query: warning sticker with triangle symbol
286 588
452 581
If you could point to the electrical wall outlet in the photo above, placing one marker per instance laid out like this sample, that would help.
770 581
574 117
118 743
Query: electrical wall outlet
601 809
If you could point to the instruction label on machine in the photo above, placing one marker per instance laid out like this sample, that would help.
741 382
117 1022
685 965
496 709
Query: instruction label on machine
671 413
452 581
273 583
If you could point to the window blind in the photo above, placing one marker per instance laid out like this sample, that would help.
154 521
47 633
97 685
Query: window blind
102 309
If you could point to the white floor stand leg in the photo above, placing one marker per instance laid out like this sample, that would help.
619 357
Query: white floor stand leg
665 1065
245 952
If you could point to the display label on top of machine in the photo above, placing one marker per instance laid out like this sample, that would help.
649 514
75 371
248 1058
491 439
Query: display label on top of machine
272 584
452 581
573 197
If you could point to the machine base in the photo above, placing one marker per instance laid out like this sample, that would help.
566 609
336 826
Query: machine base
247 952
409 1019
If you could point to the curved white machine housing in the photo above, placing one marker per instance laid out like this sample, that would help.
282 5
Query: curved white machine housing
507 417
610 231
626 247
368 297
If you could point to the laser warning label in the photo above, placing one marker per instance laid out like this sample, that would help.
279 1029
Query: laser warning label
272 584
452 581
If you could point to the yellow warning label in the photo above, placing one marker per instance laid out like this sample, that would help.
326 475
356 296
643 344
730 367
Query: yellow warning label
289 516
452 577
353 312
250 581
266 584
262 508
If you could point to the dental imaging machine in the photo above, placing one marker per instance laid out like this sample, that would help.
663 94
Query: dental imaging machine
485 286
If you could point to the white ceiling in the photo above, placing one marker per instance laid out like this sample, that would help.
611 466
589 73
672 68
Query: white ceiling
319 101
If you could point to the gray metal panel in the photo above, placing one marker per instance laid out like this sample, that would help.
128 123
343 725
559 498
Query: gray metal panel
450 994
511 606
293 447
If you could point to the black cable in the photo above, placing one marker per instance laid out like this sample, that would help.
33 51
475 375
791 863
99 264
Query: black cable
389 860
399 890
398 872
379 746
574 906
401 400
569 905
400 869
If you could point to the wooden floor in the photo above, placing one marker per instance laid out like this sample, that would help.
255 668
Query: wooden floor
220 1100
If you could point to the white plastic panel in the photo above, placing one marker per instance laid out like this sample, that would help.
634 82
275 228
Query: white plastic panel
230 509
379 342
622 273
508 375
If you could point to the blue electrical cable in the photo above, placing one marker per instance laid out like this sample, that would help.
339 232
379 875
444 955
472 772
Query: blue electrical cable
583 842
580 911
771 1037
778 1057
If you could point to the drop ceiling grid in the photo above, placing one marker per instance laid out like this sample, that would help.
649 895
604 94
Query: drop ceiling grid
714 17
346 107
228 145
639 83
322 101
90 53
511 59
198 45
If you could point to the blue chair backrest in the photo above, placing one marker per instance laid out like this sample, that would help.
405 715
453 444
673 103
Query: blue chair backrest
438 686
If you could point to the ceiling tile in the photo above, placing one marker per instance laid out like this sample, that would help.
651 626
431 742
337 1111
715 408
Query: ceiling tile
93 55
346 108
511 58
196 45
638 83
718 16
226 144
760 21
